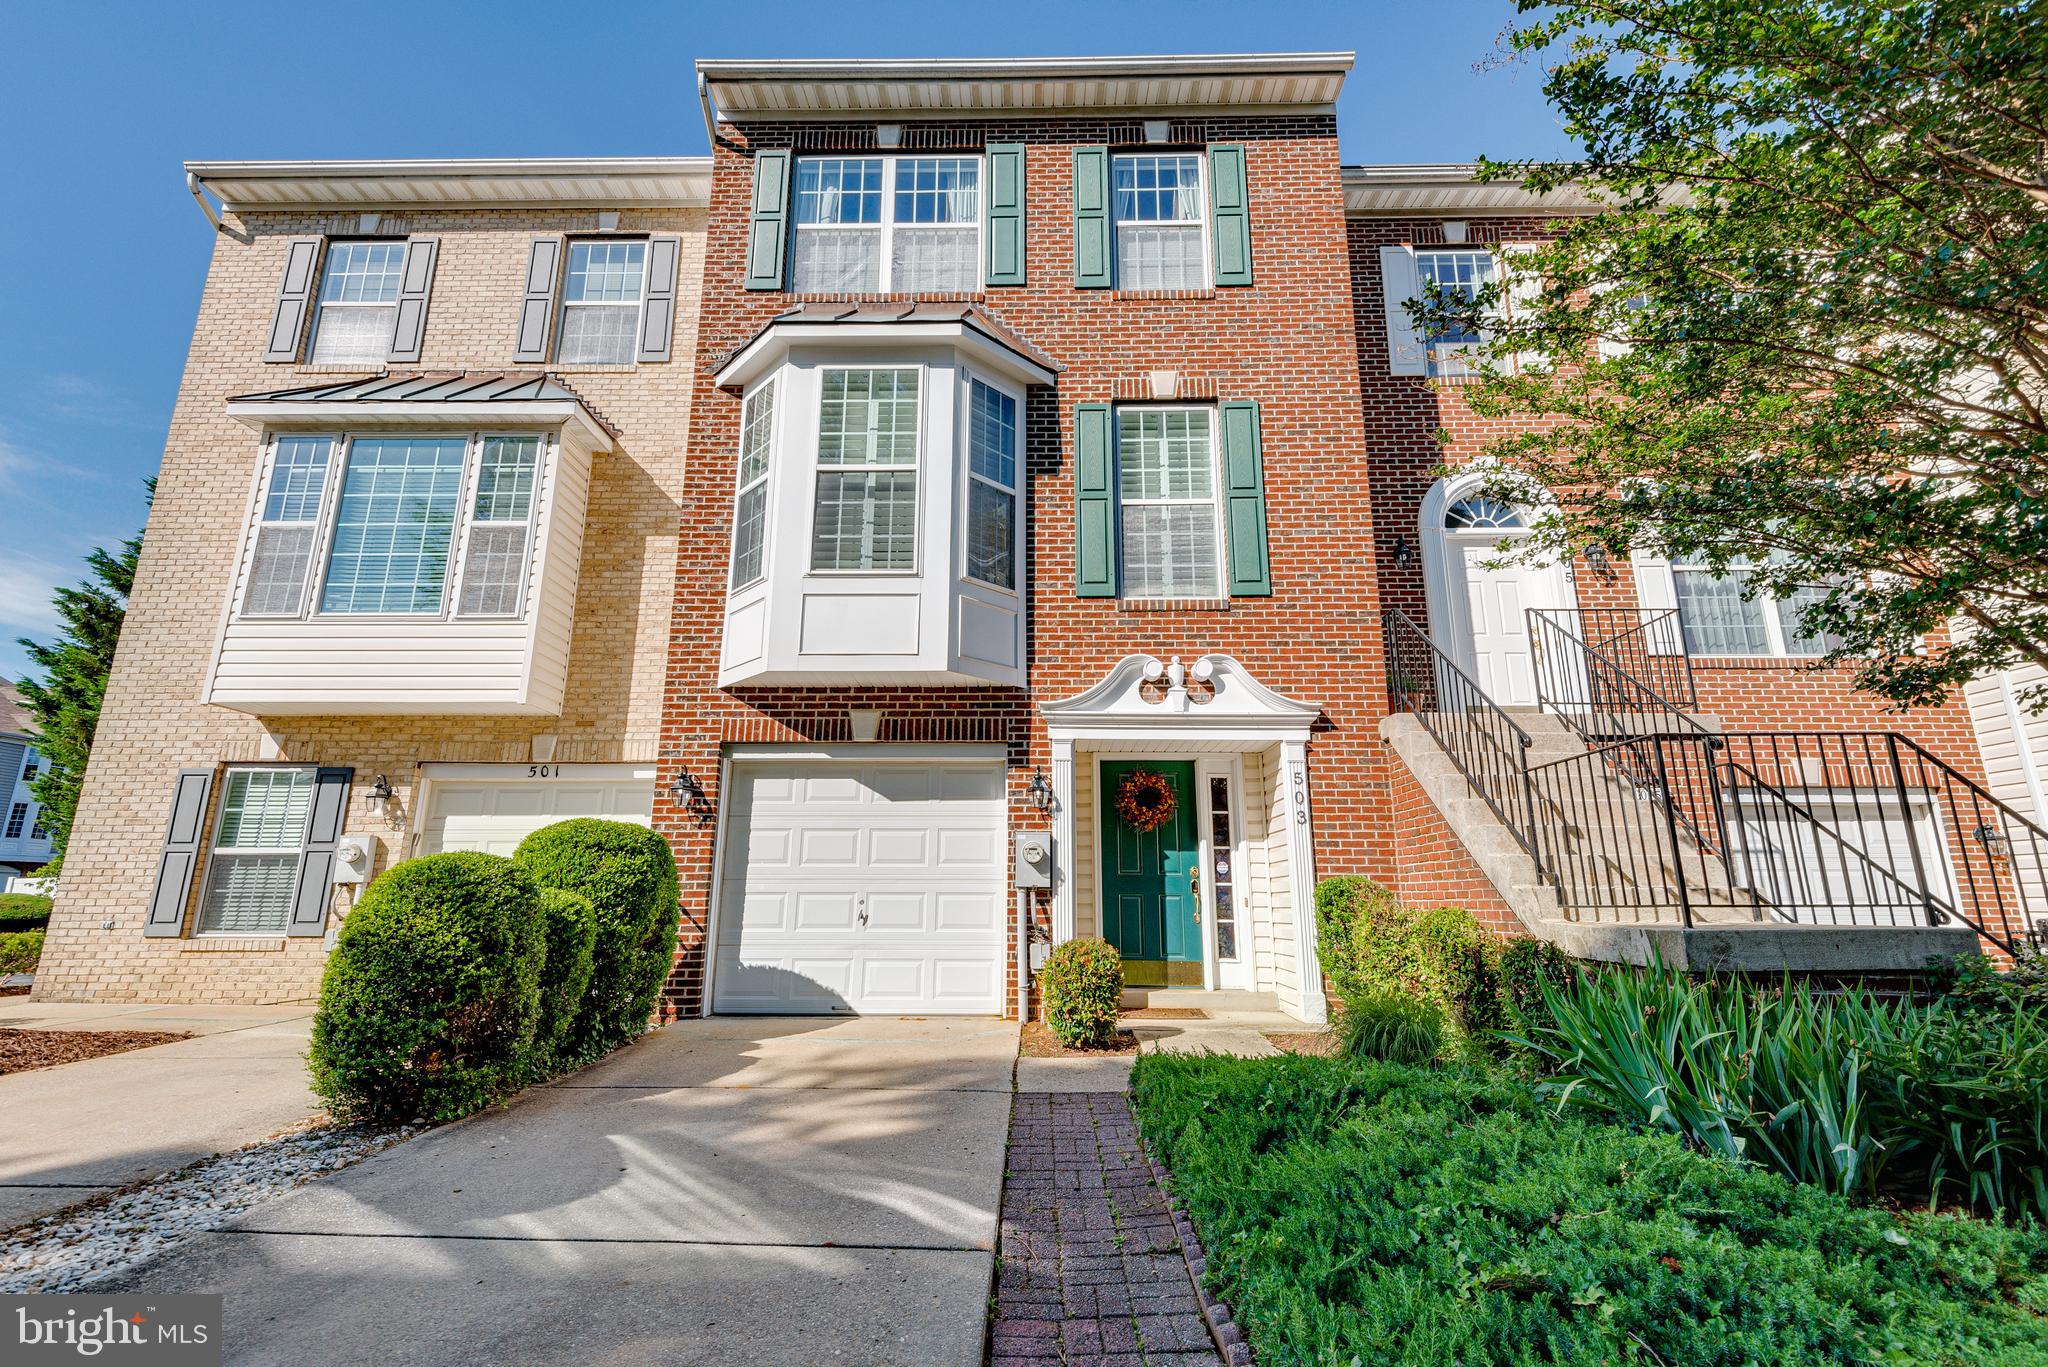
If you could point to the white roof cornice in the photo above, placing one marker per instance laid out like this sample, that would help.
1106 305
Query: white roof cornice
1451 190
460 183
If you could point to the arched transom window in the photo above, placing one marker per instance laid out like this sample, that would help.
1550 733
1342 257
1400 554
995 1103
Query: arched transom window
1482 512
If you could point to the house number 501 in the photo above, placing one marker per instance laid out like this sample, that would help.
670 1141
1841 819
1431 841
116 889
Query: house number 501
542 770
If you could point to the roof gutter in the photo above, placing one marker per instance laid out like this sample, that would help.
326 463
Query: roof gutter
199 197
710 118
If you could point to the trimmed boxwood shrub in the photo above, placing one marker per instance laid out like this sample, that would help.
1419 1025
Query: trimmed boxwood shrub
1083 987
20 951
629 875
1367 1212
1370 942
571 924
23 911
429 1002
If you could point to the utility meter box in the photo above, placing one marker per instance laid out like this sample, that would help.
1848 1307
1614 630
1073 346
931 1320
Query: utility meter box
353 855
1034 859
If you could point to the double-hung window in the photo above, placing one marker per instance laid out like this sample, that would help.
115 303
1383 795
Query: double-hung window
601 301
991 486
750 498
1166 485
358 309
1457 275
253 869
355 525
1161 232
17 817
865 516
902 224
1718 620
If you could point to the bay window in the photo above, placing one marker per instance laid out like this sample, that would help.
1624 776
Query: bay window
865 513
750 501
991 486
1161 227
1166 481
880 224
253 869
363 525
358 305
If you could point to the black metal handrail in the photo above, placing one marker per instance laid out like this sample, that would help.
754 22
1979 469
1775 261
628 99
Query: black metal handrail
1599 675
1489 748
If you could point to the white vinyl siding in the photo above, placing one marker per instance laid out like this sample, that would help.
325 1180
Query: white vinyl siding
991 486
1166 480
254 865
1161 226
903 224
750 499
359 288
601 300
865 518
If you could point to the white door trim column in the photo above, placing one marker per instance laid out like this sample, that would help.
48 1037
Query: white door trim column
1062 840
1301 853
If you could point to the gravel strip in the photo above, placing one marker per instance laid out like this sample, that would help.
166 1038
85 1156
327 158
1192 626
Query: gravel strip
71 1249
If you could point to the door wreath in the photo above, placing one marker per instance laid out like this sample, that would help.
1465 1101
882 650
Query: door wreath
1145 800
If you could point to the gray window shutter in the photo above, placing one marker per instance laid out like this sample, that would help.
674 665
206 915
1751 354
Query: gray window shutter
537 308
768 224
658 315
315 886
415 283
1005 214
1400 281
294 299
1092 255
179 858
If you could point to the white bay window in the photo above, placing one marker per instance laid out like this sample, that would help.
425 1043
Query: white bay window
991 485
750 501
865 516
875 224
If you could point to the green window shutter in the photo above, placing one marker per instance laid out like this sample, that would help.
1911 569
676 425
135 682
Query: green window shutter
1091 218
1005 214
1094 502
768 223
1244 502
1230 214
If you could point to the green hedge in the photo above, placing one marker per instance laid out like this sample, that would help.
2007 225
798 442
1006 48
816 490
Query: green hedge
429 1001
1370 943
1082 985
1367 1212
565 973
20 951
629 875
23 911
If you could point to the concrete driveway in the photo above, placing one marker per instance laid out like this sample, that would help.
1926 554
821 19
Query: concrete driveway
70 1132
731 1191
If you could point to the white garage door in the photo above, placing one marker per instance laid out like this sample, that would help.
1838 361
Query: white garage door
492 807
862 887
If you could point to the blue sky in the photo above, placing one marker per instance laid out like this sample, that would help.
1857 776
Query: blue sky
107 253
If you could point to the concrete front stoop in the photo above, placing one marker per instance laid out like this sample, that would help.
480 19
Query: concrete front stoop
1725 937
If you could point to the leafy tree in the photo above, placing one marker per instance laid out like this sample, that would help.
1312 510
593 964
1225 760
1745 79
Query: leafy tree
1808 329
66 699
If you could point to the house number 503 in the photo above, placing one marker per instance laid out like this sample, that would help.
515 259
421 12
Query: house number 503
1299 782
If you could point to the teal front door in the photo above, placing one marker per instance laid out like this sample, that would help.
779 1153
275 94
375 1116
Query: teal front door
1151 894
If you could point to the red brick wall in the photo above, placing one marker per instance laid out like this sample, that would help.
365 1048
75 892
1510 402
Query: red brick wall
1431 866
1285 341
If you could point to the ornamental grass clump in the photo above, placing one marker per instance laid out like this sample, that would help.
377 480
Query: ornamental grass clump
1391 1027
1083 987
429 1002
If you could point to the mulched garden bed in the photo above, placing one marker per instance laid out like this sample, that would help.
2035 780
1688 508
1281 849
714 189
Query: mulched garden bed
1316 1043
1037 1041
21 1050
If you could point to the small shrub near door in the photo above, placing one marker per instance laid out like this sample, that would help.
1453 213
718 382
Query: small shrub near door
1083 988
629 875
431 996
1390 1026
1369 942
565 973
20 951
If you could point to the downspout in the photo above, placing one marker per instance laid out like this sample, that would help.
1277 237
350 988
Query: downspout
199 197
1023 957
710 119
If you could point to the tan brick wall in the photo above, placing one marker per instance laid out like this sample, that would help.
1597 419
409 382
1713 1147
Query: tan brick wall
153 724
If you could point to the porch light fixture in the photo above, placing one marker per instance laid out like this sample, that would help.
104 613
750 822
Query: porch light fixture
1038 792
686 790
380 795
1404 554
1602 563
1996 843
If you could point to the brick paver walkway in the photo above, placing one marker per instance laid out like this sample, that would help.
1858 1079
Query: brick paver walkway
1090 1269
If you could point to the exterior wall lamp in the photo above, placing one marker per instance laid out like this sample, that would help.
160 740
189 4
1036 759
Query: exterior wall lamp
1404 554
1038 792
381 795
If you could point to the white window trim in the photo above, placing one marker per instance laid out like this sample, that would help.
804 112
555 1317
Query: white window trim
321 306
458 542
743 486
1408 352
1220 589
1776 647
885 227
564 303
1201 221
965 446
819 469
214 851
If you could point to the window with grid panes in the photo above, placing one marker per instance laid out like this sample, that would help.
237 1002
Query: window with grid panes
1166 487
1161 231
601 296
1717 619
358 305
500 525
750 498
865 516
253 868
899 224
17 817
991 485
287 536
